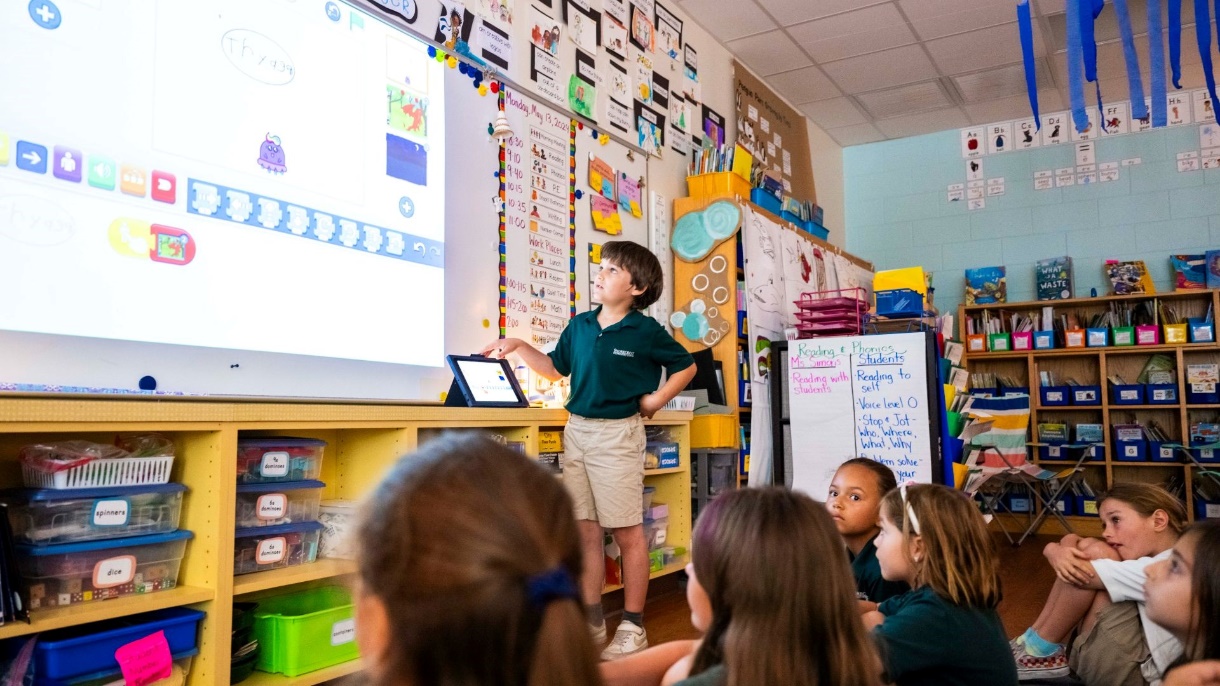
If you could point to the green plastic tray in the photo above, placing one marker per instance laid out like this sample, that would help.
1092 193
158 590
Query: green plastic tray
305 631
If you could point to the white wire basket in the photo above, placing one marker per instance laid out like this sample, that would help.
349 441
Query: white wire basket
123 471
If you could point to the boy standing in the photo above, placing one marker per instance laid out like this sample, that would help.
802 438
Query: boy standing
614 355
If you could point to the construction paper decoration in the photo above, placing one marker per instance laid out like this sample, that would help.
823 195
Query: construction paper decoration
697 233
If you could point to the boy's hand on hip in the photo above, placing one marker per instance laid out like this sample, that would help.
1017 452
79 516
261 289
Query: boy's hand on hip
502 348
649 405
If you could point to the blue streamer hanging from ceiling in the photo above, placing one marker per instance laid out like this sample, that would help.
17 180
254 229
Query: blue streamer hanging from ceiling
1156 62
1026 27
1089 11
1077 58
1135 86
1203 36
1175 41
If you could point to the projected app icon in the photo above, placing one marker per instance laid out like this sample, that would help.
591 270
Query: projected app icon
171 246
45 14
32 157
67 164
164 187
157 242
101 172
133 180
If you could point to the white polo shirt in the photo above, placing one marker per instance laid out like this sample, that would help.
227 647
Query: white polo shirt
1125 581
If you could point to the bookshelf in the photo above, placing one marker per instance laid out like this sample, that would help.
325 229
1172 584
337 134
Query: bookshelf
363 441
1096 366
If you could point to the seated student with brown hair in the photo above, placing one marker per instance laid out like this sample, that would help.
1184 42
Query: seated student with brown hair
468 560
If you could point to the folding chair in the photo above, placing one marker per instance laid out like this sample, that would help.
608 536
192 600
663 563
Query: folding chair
1045 489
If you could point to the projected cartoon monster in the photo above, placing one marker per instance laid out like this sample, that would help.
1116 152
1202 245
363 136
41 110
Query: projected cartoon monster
271 155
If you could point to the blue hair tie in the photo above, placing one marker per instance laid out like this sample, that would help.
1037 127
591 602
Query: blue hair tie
553 584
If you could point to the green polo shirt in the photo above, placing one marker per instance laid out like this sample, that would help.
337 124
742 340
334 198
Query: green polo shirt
612 369
869 581
928 641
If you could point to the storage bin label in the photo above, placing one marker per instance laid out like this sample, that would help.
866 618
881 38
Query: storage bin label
114 571
1086 395
1211 510
1166 453
1206 453
271 550
110 512
1162 394
1054 396
272 506
1090 507
1203 387
274 464
343 631
1131 450
1053 451
1132 394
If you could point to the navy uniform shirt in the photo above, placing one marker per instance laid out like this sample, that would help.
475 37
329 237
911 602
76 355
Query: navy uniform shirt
612 369
928 641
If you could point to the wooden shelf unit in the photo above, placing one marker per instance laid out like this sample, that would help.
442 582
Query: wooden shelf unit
1094 366
363 441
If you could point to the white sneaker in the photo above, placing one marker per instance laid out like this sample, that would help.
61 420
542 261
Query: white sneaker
598 633
628 639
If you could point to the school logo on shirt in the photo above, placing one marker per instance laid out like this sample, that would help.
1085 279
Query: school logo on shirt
624 353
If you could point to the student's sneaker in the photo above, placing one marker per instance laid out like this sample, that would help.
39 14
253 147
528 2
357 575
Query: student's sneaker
1017 645
1052 666
598 633
628 639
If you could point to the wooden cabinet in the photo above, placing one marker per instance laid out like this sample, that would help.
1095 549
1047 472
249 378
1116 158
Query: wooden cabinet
363 440
1095 366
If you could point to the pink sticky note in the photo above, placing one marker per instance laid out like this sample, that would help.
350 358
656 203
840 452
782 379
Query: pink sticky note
145 660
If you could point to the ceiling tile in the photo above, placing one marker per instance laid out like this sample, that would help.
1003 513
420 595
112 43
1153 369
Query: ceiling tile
937 18
881 69
803 85
728 20
789 12
927 122
853 33
999 83
857 134
1047 7
833 113
1111 64
974 50
903 100
769 53
1015 107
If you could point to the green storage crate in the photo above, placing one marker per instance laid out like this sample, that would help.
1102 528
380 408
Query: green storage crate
306 631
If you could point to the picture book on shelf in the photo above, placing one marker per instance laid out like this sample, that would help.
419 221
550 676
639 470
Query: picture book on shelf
1189 272
1054 277
1212 267
1129 277
986 285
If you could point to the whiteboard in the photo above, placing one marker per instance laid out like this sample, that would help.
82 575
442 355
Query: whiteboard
861 396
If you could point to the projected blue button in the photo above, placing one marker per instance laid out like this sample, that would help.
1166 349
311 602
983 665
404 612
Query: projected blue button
332 11
406 206
32 157
45 14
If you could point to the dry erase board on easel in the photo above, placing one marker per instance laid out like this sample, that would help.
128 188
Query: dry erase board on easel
842 397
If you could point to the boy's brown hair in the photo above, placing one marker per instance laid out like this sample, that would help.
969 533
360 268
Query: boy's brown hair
1146 499
449 541
781 592
643 266
959 561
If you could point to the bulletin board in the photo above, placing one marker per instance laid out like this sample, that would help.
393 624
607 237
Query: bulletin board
774 133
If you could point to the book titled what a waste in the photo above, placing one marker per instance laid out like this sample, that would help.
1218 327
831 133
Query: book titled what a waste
1054 276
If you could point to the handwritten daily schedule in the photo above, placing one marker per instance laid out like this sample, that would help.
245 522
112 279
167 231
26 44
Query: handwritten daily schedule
859 396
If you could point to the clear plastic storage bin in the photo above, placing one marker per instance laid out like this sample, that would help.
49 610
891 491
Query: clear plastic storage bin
269 504
656 532
71 573
261 460
47 516
263 548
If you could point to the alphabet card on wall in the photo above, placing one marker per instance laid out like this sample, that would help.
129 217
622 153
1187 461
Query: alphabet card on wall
1054 128
972 142
999 138
1026 134
1115 119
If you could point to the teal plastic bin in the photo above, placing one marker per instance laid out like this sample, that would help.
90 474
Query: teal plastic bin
305 631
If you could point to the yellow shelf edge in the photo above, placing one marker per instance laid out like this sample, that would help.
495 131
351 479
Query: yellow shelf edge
308 679
277 578
85 613
667 569
668 470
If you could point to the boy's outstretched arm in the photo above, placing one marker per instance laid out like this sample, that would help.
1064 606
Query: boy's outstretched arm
534 358
654 401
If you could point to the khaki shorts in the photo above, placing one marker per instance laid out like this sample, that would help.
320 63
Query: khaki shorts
603 469
1112 651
